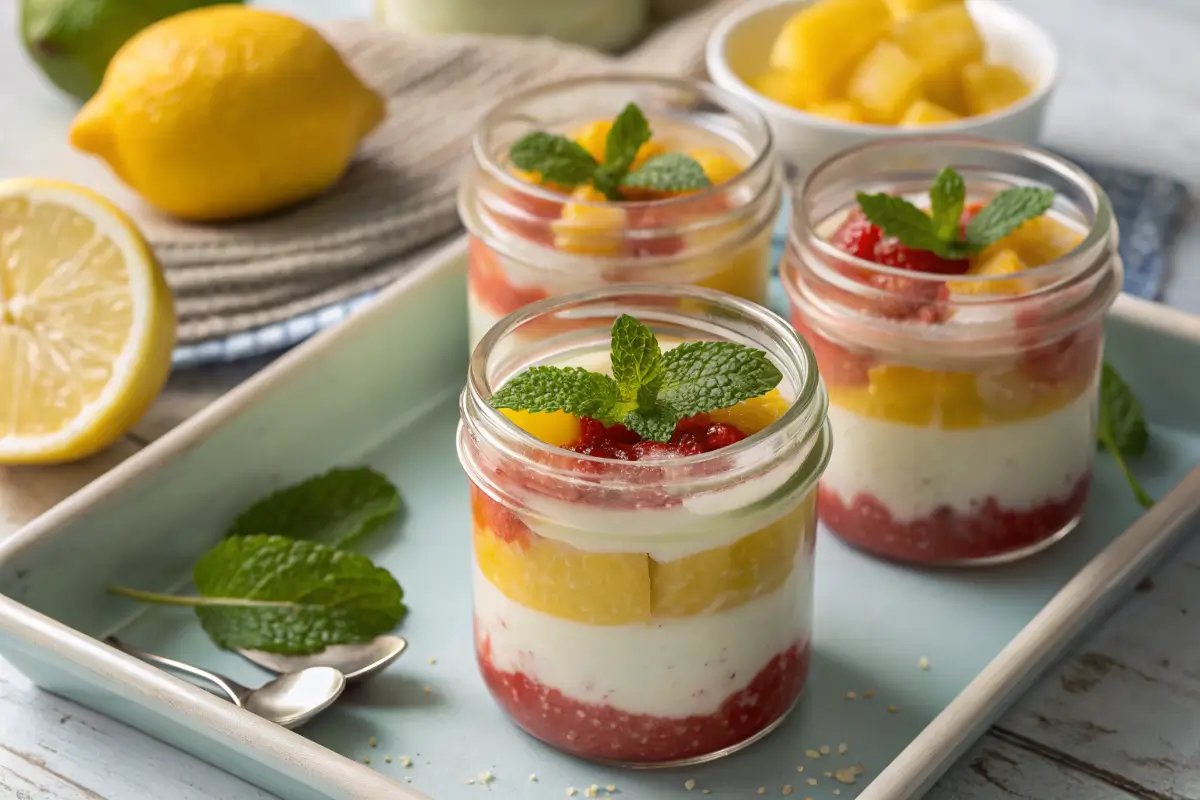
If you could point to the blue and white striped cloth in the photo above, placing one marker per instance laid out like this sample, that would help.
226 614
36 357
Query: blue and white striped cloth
1147 208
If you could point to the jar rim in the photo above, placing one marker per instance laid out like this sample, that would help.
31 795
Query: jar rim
743 110
806 409
1065 267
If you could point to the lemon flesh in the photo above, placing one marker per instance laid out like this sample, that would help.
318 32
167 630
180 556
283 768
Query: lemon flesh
86 323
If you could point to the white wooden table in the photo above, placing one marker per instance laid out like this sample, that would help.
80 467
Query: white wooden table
1118 720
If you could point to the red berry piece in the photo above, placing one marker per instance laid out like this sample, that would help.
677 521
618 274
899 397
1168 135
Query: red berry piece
721 435
890 253
857 236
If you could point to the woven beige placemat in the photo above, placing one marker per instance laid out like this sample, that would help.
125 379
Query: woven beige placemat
398 197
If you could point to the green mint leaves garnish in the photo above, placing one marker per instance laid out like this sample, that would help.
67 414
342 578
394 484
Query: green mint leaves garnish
281 582
649 391
938 231
283 595
1122 429
336 508
565 162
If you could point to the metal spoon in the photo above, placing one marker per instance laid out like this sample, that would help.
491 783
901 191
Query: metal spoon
356 661
290 700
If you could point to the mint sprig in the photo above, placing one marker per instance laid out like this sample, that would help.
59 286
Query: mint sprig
286 596
649 391
336 508
1122 427
565 162
938 231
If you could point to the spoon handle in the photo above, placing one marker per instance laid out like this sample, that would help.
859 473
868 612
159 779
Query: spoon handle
230 689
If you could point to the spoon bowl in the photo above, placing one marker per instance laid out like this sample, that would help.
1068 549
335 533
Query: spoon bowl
355 661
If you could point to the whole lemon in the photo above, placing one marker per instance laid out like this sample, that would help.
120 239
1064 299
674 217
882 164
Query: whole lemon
227 111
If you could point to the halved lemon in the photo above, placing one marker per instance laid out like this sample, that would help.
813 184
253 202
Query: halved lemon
86 323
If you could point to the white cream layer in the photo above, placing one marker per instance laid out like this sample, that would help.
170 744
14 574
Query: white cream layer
914 470
673 668
479 319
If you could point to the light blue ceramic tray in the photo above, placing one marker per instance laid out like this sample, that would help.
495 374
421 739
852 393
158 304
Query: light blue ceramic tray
380 389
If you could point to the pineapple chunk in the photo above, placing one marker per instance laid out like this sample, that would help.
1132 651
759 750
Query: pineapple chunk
923 113
1001 262
783 87
593 137
1038 241
991 87
718 166
593 230
943 41
821 44
845 110
886 83
903 9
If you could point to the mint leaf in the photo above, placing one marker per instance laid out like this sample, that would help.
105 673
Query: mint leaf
669 172
335 508
947 197
286 596
699 377
655 424
571 389
1122 428
1005 213
897 217
636 361
628 133
555 158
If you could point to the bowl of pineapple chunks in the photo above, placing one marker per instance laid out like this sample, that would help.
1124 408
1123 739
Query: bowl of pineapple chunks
832 74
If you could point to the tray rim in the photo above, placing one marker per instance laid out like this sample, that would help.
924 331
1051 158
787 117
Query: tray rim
920 763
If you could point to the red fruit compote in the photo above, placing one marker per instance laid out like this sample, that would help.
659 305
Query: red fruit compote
640 602
963 386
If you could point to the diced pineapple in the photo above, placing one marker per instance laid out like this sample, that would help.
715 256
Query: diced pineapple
923 113
1001 262
885 83
783 87
718 166
821 44
845 110
1038 241
991 87
903 9
944 41
553 427
593 137
588 229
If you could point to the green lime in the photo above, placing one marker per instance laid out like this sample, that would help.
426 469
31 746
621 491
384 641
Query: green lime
72 41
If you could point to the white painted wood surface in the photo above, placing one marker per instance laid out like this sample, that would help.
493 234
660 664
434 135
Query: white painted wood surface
1118 720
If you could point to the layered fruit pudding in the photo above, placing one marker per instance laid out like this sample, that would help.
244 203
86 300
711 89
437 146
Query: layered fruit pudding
643 577
633 192
959 336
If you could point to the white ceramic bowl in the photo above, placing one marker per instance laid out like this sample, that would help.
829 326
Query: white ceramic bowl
741 44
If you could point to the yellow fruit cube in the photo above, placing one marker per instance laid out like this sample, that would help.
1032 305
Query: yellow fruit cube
903 9
885 83
991 87
845 110
557 428
1037 242
821 44
923 113
592 227
718 166
751 416
943 41
593 137
1000 262
783 87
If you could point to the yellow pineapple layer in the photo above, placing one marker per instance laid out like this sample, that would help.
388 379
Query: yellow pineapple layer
626 588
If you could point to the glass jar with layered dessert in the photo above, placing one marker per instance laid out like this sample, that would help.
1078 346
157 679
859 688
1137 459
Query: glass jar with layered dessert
643 491
600 181
956 316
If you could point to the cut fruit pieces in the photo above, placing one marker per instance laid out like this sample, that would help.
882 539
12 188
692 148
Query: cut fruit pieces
903 9
590 227
886 83
991 87
86 323
1037 242
1001 262
944 41
783 87
845 110
923 113
820 45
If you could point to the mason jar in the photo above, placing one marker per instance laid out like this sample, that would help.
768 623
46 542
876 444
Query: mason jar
529 242
964 406
654 612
